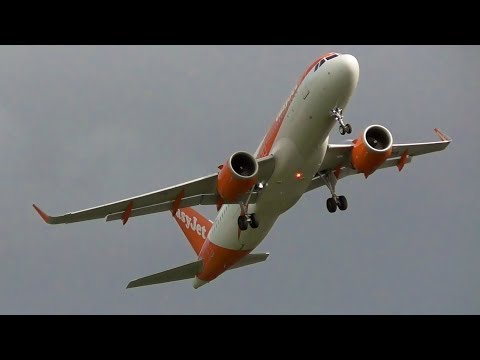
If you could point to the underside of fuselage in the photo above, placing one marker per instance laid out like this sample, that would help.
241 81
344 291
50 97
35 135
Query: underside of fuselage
299 148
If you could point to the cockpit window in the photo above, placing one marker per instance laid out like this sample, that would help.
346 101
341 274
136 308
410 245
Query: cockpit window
324 60
319 64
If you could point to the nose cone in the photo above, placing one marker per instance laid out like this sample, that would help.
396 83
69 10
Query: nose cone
348 71
337 80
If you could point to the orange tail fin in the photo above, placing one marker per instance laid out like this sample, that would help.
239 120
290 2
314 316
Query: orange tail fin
194 225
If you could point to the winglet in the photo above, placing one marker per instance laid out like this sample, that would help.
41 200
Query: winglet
441 135
44 216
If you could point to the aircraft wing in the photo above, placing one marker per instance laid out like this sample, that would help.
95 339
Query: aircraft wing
337 158
201 191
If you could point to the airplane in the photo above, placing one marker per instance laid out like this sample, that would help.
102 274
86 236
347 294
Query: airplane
251 191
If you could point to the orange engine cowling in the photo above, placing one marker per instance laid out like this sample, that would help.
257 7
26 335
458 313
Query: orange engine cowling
371 149
237 176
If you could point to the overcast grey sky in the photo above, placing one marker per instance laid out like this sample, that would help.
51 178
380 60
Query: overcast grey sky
85 125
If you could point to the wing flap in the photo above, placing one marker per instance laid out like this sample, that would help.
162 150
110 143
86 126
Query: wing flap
208 199
317 181
416 149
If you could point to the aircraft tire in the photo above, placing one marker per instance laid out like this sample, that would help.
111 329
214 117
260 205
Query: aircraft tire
331 205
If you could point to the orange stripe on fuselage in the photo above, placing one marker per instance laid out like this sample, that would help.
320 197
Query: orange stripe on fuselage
271 136
217 260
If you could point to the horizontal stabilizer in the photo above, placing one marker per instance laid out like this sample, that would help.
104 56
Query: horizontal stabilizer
250 259
183 272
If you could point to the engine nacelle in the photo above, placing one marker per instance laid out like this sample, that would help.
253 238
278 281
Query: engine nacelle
237 176
371 149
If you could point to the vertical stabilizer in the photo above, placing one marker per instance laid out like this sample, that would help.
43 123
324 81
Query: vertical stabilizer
194 225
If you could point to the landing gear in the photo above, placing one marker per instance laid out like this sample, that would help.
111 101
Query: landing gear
335 201
331 205
337 114
246 218
253 221
242 222
342 203
345 129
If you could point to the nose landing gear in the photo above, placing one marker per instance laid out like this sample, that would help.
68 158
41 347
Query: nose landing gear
337 114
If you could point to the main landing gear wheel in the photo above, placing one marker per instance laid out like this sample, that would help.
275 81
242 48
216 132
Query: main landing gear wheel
342 203
244 220
331 205
335 201
253 221
339 201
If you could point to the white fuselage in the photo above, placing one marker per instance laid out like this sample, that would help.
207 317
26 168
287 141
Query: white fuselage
298 148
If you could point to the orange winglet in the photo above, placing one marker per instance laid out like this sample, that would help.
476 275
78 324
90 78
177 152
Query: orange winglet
44 216
441 135
127 213
337 171
176 203
403 160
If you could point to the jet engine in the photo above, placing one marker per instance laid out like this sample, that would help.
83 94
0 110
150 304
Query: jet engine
237 176
371 149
